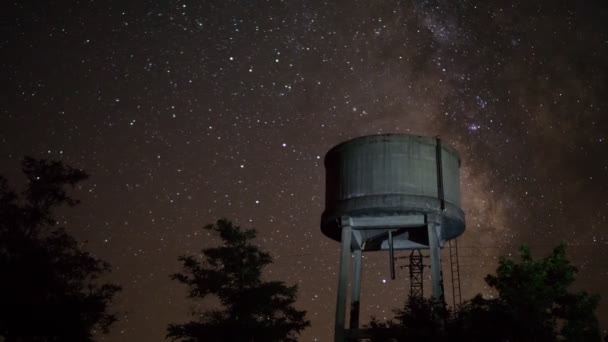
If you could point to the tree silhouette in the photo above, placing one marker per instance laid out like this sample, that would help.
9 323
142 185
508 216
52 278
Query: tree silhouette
252 310
533 304
49 287
421 319
534 296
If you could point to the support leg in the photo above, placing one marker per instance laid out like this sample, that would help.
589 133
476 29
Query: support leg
343 282
356 294
435 251
391 255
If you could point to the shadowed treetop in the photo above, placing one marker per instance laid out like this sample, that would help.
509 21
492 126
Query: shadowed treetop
49 289
253 309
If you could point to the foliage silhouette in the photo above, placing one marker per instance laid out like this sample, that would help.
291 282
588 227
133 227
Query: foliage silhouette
49 287
421 319
253 310
533 304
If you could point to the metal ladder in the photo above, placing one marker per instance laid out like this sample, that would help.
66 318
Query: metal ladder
455 268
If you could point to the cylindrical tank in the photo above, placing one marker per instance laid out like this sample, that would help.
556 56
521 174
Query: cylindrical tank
392 174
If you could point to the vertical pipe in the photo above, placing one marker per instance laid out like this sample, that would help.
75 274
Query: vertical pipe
391 254
339 333
356 294
439 165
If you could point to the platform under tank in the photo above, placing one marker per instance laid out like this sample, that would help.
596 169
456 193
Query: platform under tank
393 175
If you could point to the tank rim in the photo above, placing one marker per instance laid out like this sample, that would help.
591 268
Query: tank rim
429 140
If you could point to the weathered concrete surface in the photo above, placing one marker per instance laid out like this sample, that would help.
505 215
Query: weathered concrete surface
388 175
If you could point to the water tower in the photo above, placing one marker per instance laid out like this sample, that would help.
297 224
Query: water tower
389 192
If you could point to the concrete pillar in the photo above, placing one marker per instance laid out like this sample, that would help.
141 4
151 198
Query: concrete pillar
433 225
356 294
339 334
391 255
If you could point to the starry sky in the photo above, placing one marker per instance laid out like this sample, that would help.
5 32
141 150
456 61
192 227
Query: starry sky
184 112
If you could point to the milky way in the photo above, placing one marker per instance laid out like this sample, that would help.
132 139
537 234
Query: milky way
187 111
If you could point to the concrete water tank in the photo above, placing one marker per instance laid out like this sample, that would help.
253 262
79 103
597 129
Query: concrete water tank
392 175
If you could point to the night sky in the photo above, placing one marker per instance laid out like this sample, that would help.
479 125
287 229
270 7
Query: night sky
184 112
